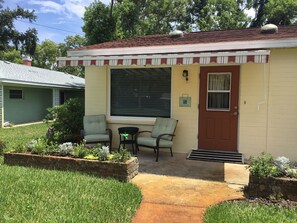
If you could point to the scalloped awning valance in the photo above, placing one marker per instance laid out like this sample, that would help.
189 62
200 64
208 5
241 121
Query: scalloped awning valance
236 57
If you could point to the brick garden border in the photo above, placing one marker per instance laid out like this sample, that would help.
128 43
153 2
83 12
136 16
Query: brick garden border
276 187
120 171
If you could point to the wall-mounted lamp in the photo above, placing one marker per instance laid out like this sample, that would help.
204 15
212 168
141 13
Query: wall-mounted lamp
186 74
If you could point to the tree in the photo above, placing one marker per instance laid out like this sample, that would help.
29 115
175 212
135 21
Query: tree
25 41
11 55
219 14
71 42
278 12
98 26
281 12
129 18
45 55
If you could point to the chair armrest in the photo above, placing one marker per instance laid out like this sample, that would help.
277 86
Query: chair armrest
161 135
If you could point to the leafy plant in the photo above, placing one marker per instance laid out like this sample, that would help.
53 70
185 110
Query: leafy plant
65 149
67 120
38 146
264 166
80 150
122 156
101 152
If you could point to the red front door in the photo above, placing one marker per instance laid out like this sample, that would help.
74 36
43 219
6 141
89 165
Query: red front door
218 108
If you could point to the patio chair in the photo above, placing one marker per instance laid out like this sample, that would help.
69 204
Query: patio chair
161 136
95 130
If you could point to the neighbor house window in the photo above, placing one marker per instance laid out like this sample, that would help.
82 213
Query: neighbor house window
15 94
141 92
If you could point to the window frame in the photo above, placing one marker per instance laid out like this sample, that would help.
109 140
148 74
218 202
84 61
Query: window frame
218 91
134 119
16 89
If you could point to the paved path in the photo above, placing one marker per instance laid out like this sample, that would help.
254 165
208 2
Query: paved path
177 199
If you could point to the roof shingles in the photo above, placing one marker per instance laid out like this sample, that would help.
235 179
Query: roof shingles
22 74
249 34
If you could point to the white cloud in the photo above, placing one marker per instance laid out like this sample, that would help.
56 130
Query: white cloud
68 8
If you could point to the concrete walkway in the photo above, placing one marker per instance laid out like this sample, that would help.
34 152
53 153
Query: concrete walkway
170 197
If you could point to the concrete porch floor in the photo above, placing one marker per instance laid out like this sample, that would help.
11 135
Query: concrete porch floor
179 190
179 166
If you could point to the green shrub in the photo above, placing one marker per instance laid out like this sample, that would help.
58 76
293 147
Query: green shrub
67 120
264 166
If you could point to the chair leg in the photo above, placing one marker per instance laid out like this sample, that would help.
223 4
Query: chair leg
157 156
171 152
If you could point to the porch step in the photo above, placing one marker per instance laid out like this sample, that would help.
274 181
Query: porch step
215 156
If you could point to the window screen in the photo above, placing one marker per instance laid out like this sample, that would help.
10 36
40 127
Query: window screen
141 92
15 94
218 94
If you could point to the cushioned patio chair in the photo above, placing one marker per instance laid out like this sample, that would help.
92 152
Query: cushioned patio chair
161 136
95 130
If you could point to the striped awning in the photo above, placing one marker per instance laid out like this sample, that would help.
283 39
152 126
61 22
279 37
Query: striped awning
237 57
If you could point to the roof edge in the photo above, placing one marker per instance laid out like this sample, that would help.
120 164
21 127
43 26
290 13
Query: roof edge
7 81
187 48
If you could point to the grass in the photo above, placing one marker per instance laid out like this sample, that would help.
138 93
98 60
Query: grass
36 195
244 212
23 134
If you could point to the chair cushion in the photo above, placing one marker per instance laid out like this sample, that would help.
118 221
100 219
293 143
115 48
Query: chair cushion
97 138
164 125
152 142
94 124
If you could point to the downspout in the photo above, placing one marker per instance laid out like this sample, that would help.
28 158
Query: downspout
265 100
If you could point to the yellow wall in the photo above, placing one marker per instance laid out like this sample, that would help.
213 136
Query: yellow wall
268 106
253 99
96 90
267 111
97 87
282 107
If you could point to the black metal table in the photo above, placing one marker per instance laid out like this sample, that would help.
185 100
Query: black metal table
130 138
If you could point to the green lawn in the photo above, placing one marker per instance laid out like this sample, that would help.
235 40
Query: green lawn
244 212
36 195
20 135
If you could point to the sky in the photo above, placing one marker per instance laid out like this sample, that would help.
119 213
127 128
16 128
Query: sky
56 19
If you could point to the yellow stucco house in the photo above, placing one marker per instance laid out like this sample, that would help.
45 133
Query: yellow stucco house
231 90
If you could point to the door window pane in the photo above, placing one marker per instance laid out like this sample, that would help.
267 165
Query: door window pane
218 95
141 92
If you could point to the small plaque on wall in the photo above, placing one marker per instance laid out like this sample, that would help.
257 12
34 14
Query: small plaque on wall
185 101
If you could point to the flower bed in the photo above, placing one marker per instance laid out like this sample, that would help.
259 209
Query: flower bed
271 187
270 178
122 171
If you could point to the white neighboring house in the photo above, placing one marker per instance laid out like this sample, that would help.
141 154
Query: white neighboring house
26 92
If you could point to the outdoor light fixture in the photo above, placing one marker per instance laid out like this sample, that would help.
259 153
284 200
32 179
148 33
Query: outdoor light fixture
186 74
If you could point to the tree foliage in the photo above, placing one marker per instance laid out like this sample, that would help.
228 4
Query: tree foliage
278 12
128 18
99 24
23 41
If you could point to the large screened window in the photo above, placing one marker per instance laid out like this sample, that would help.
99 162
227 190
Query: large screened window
141 92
